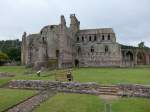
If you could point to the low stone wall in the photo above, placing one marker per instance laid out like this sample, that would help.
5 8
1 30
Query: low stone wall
134 90
5 74
88 88
85 88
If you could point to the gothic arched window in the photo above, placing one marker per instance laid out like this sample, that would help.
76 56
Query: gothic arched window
43 39
79 50
108 37
77 39
82 39
106 49
90 38
57 53
95 38
103 38
92 49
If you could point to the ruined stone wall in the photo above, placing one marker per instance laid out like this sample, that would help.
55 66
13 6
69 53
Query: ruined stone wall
98 48
66 41
86 88
134 90
74 24
58 42
99 57
50 35
23 48
134 56
34 51
68 45
66 50
27 51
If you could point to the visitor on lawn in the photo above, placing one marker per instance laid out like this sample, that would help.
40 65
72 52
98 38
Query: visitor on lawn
38 73
69 76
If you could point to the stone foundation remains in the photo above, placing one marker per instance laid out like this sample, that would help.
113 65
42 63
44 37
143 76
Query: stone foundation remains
6 75
89 88
134 90
84 88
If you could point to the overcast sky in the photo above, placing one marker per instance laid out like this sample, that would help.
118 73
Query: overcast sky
130 19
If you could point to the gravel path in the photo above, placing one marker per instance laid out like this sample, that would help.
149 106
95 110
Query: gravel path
30 104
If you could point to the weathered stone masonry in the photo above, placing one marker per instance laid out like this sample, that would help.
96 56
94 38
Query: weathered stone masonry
59 46
84 88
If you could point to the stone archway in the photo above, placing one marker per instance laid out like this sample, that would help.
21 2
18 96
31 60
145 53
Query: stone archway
76 63
129 56
57 53
129 59
141 58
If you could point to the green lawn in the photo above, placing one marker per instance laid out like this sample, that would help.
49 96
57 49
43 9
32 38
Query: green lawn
72 103
131 105
20 74
77 102
113 75
10 97
87 103
99 75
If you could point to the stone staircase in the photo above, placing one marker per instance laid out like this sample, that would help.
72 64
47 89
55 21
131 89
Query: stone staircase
108 90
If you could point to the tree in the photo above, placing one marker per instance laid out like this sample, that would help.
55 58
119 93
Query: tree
12 48
14 54
3 56
141 45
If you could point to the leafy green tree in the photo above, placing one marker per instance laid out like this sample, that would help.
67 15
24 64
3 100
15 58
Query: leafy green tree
141 45
14 54
12 48
3 56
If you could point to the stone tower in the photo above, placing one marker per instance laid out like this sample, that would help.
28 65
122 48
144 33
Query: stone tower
59 46
75 24
62 21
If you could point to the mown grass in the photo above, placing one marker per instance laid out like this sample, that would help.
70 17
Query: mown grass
113 75
10 97
87 103
20 72
131 105
72 103
76 102
99 75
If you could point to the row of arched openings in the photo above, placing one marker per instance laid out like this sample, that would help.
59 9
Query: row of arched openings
95 38
141 57
106 49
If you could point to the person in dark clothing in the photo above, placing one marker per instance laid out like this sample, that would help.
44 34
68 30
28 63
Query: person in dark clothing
69 76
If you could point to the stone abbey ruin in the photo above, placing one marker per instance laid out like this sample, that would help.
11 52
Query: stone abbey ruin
59 46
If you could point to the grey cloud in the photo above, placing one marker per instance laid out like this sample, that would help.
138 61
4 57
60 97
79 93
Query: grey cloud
129 18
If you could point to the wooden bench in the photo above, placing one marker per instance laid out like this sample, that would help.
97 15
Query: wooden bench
61 75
